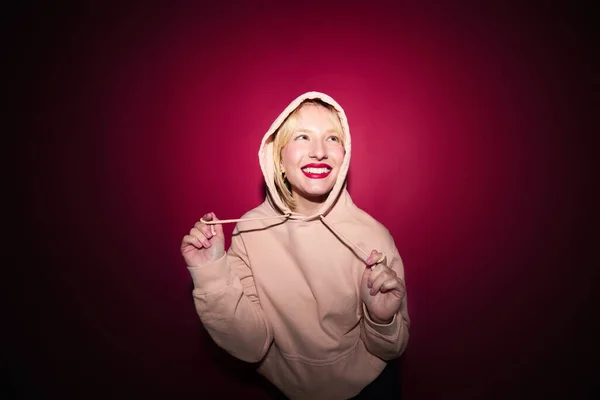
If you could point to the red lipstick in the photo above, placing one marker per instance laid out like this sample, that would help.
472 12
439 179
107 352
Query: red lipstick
316 175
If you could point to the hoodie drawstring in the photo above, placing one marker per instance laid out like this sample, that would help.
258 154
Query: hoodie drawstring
230 221
350 242
286 216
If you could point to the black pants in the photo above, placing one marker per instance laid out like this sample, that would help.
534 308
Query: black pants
386 386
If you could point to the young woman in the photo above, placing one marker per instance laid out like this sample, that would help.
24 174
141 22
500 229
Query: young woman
297 291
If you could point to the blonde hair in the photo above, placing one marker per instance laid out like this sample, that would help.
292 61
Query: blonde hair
283 136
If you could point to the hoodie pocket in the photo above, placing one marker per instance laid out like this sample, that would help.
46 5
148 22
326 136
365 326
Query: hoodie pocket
342 376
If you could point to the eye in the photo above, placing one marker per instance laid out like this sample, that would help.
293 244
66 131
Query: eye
301 137
333 139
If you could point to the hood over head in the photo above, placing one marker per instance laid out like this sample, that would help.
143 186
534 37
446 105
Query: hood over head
267 165
265 155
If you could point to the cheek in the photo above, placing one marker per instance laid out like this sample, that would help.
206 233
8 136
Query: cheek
338 154
291 156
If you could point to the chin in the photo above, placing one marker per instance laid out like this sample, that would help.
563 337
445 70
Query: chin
316 193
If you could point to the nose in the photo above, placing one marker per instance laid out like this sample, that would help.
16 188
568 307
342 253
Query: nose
318 150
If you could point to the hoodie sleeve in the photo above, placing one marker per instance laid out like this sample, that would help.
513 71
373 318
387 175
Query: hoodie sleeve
227 302
387 341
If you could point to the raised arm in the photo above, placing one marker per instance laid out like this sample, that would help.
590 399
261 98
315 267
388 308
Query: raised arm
226 300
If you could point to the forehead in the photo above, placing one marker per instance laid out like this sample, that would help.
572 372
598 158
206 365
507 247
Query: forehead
312 109
314 115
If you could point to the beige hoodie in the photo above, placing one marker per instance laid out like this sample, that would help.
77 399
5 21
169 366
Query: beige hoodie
286 294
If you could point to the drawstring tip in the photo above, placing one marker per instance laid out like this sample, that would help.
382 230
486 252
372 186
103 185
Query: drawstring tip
383 259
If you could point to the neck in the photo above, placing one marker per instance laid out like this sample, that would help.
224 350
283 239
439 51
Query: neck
310 206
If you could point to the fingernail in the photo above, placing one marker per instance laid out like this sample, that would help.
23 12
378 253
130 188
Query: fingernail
207 244
369 260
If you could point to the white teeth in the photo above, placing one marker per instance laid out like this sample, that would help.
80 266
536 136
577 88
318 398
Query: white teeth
316 170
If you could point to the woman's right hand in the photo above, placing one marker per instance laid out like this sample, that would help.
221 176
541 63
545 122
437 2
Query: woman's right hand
204 244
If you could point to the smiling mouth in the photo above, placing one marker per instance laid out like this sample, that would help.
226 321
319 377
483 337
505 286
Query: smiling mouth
320 172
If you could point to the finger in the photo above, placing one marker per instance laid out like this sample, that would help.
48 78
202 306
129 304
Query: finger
377 270
189 240
374 257
206 218
369 260
204 229
395 284
196 232
217 229
209 217
377 283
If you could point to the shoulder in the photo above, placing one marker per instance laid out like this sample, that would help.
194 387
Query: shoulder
258 212
358 222
374 235
360 226
370 224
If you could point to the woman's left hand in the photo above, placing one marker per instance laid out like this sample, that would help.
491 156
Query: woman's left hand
381 290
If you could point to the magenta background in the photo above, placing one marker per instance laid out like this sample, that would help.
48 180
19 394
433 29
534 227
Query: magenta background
469 127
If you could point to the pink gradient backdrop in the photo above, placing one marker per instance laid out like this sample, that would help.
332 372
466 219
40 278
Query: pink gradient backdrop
466 145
